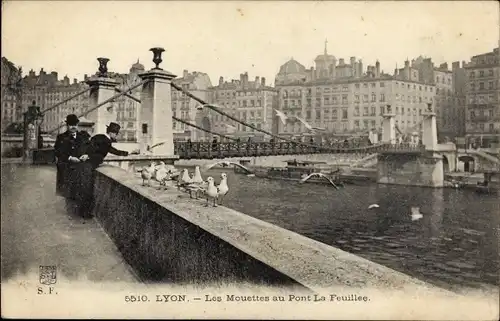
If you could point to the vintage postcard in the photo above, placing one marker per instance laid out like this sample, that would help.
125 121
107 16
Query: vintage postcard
250 160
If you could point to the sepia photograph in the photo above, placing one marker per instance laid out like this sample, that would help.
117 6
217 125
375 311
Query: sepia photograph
210 159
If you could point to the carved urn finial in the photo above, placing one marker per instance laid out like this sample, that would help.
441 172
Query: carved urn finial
157 56
388 108
103 67
429 107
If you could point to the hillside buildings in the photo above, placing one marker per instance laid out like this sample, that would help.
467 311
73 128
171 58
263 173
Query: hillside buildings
483 99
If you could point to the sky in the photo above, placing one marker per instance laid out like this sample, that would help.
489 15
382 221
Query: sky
227 38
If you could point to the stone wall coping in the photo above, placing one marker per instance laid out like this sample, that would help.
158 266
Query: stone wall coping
313 264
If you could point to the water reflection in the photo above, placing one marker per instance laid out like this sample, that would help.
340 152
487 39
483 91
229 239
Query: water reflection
454 243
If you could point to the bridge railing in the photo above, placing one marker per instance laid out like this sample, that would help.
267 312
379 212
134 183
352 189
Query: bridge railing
200 150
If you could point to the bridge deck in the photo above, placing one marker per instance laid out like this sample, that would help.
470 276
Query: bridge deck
38 228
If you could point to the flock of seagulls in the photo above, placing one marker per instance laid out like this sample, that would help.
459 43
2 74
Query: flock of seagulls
160 173
194 185
198 186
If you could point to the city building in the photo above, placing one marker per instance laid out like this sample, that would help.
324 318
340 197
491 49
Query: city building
344 100
186 108
127 108
483 99
11 94
46 90
449 97
250 101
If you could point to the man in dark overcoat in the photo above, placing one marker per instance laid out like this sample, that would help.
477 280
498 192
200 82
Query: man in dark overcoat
68 148
99 147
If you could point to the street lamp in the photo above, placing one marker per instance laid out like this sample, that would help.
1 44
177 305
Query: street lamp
32 119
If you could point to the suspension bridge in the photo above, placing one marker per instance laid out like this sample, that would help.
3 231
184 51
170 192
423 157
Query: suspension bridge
156 135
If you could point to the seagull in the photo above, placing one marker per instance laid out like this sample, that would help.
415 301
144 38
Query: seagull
227 163
308 126
222 188
282 116
373 206
211 191
149 148
198 184
303 180
161 175
185 179
147 173
197 176
415 214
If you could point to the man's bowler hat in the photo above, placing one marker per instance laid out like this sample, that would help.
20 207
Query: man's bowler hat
72 120
113 128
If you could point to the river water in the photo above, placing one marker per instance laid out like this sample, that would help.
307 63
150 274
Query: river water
454 245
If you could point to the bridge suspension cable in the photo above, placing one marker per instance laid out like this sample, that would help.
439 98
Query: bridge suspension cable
205 104
66 100
177 119
104 103
203 129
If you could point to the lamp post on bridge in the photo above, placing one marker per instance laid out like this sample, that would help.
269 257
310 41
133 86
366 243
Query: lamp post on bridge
429 129
388 126
32 119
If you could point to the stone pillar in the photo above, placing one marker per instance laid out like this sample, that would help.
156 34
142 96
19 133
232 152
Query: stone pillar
388 127
429 135
103 89
155 116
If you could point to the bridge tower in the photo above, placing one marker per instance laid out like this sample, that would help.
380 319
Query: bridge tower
103 88
155 117
388 127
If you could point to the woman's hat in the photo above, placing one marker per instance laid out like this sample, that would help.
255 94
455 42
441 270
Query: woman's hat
113 128
72 120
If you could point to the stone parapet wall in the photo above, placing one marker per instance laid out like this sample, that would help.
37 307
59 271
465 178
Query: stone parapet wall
168 237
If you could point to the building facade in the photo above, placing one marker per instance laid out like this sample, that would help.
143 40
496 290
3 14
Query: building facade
343 99
186 108
11 94
482 100
449 99
250 101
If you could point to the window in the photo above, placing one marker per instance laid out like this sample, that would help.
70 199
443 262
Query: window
374 97
344 113
481 73
365 111
481 86
365 98
356 111
356 123
356 98
344 99
374 111
382 84
318 114
490 72
382 97
357 86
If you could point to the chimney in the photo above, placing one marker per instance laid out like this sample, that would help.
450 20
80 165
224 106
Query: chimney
263 81
377 71
360 68
185 73
341 61
75 81
85 77
221 80
463 64
257 80
455 65
242 77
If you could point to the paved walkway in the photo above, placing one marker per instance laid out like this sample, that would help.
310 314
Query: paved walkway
39 229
